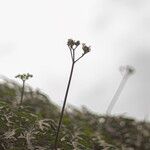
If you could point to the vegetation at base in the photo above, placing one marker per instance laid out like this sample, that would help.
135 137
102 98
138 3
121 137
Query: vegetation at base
32 126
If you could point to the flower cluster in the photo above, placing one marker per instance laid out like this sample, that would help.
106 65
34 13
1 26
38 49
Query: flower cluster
71 43
85 48
24 76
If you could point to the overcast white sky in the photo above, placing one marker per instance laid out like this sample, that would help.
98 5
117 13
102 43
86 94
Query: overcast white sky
33 36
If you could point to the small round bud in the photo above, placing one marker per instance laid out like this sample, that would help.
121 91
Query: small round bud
77 43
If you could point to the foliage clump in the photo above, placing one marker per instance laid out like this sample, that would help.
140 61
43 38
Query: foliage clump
33 125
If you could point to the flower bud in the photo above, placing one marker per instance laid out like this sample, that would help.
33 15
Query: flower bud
77 43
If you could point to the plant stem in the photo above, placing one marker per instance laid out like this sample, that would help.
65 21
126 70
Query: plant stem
64 104
22 92
117 94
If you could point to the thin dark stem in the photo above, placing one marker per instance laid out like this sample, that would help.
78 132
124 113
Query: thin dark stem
22 92
71 53
117 94
79 58
64 104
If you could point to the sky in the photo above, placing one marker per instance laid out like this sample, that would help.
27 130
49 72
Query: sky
33 37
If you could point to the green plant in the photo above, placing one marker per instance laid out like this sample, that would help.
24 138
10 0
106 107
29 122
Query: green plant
23 77
22 128
72 45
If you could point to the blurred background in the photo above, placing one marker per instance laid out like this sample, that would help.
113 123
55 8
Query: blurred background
33 37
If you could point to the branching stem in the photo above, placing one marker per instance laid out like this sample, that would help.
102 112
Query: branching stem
79 58
72 47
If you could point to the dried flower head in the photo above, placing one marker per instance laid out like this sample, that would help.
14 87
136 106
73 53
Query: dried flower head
71 43
77 43
24 76
85 48
127 70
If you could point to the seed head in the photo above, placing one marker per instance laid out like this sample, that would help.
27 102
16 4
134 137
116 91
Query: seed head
24 76
85 48
71 43
77 43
